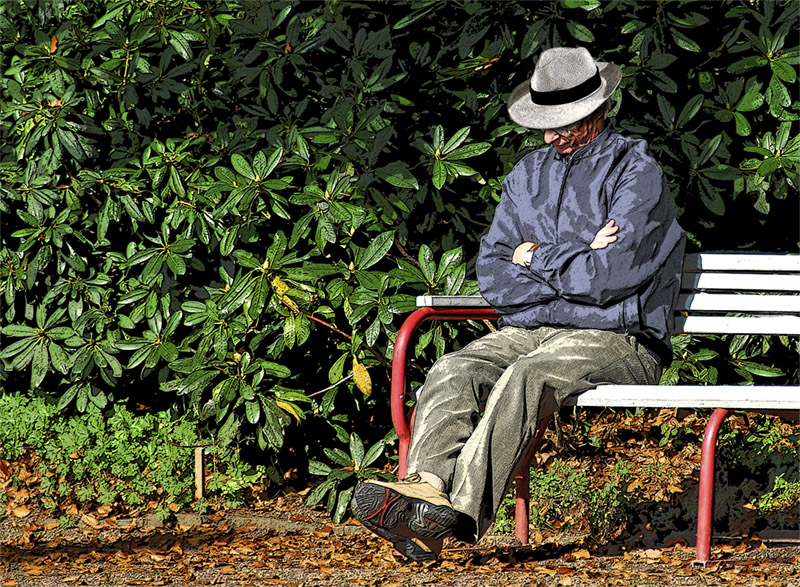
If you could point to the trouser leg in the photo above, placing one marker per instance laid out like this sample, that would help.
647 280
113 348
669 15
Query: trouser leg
564 362
451 400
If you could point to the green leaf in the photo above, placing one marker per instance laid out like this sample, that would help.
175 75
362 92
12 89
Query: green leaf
338 456
587 5
762 370
316 496
70 141
438 138
356 449
39 365
337 369
742 126
685 42
253 411
318 468
398 175
58 358
377 249
667 109
471 150
342 504
439 174
784 71
241 165
108 16
750 101
449 261
196 382
17 348
181 45
18 330
427 263
710 148
721 172
414 16
706 81
690 110
747 64
373 454
67 397
272 427
273 161
768 166
580 32
711 197
456 140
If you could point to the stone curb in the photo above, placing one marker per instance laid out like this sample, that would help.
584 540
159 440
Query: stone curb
233 521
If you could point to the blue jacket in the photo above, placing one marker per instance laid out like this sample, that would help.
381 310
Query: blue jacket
561 202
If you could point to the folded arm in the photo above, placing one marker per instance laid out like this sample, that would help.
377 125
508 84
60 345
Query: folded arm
504 284
616 264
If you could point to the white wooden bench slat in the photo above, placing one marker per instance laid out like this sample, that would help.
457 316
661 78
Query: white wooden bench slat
741 281
717 303
740 262
452 302
762 397
789 325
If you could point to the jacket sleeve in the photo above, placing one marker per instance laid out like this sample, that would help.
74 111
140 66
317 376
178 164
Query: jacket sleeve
642 208
506 286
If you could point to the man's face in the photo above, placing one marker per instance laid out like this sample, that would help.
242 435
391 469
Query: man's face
559 136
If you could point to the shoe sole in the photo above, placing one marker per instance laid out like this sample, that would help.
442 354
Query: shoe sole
394 516
403 545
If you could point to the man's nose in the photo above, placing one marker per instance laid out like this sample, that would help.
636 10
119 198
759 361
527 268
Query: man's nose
550 136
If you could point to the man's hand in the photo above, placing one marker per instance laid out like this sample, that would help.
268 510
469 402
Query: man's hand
603 238
519 253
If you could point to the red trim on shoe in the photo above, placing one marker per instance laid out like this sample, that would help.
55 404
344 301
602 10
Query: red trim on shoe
386 503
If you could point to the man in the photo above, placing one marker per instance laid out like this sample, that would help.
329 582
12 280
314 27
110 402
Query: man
582 263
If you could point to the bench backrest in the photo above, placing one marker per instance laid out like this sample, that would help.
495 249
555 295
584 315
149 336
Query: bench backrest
761 291
721 293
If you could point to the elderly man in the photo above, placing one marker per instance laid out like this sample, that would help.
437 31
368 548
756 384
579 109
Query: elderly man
582 264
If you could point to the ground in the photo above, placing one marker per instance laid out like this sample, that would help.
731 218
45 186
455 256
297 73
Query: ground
294 546
277 540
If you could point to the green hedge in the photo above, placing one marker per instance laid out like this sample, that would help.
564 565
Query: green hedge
227 207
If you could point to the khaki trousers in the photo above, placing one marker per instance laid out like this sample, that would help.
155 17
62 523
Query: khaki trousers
480 408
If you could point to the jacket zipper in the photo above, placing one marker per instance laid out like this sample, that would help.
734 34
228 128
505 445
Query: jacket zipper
561 195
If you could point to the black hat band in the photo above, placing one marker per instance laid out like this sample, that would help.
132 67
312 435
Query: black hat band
558 97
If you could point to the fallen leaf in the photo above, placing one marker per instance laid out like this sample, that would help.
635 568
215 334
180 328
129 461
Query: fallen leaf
21 511
90 520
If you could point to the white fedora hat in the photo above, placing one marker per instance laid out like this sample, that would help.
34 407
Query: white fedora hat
567 85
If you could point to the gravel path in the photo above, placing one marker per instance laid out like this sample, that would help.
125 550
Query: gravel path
300 548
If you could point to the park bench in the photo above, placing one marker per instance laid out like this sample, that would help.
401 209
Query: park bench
721 293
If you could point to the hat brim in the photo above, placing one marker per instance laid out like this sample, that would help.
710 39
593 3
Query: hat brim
523 111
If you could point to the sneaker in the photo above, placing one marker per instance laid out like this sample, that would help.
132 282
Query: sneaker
411 514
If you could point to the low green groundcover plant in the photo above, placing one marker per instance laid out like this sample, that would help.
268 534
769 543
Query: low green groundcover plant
114 458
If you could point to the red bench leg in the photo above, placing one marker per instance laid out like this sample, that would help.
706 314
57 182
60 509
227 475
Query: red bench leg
705 502
522 513
398 390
